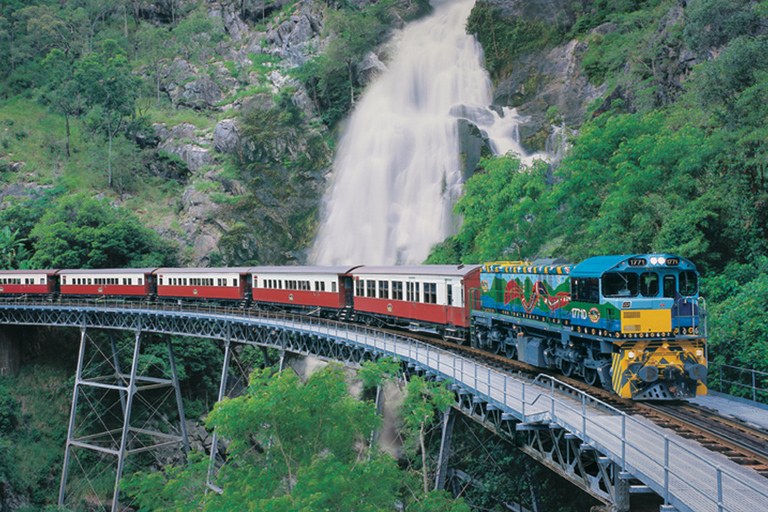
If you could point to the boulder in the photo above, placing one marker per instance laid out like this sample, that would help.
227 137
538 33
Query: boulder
473 145
226 136
369 69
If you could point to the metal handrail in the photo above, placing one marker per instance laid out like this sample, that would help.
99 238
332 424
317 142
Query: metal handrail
420 354
759 392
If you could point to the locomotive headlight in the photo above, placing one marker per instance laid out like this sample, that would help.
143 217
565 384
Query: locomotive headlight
654 260
661 260
631 354
699 352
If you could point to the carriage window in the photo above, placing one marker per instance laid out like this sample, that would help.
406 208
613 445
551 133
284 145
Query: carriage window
397 290
409 292
585 289
649 284
430 293
139 281
370 288
383 289
449 294
670 287
619 284
689 283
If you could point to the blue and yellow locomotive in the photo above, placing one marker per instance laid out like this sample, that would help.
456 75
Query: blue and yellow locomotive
634 324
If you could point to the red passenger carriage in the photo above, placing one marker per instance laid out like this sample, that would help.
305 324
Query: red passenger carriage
118 282
230 284
27 282
320 290
431 297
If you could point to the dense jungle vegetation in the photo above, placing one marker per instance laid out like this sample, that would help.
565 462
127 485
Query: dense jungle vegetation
657 166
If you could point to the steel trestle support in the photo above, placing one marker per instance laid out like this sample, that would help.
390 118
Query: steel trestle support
106 402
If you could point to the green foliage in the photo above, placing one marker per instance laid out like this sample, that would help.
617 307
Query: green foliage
507 211
80 232
10 410
330 76
713 23
197 34
737 324
294 446
505 38
13 254
422 399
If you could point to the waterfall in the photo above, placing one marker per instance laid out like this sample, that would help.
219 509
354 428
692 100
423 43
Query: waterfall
397 172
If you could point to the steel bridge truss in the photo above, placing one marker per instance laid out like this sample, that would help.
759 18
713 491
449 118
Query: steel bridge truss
549 444
117 401
556 448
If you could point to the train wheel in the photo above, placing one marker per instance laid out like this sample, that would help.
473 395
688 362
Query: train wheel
590 376
510 351
567 368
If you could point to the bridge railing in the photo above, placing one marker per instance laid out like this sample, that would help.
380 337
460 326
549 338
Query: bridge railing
739 382
661 461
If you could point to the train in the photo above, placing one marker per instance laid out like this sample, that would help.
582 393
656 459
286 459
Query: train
632 324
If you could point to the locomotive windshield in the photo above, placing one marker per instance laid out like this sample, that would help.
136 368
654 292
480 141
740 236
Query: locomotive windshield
619 284
689 283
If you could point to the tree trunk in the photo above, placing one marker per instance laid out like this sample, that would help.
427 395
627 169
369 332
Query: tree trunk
424 471
351 85
66 124
109 158
533 486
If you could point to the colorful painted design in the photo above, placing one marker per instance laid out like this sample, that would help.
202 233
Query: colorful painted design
551 300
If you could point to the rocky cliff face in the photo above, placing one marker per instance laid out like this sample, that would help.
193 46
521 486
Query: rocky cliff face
254 63
550 86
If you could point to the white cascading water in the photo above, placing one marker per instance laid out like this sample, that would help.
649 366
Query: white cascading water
397 172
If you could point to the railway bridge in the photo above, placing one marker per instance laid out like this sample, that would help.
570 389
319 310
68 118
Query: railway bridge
602 450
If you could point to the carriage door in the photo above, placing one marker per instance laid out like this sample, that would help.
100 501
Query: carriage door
345 287
452 304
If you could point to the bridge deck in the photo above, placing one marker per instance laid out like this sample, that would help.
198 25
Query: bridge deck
691 477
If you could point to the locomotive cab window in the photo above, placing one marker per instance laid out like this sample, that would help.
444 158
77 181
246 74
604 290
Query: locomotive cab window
649 284
689 283
619 284
669 286
586 289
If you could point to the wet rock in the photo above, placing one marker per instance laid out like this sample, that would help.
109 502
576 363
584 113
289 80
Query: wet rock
473 145
369 69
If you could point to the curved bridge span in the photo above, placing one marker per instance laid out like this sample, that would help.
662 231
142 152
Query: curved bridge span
604 451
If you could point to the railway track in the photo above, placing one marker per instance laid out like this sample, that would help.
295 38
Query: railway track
742 443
